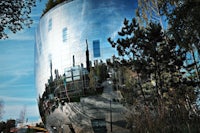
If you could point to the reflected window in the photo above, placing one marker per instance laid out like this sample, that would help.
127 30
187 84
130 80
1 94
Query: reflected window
50 24
96 48
64 34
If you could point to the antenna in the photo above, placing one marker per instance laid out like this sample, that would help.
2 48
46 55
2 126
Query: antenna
73 61
22 116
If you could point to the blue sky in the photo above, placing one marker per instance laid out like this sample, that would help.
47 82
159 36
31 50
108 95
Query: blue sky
17 87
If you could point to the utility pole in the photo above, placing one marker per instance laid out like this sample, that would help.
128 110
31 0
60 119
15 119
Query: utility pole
110 117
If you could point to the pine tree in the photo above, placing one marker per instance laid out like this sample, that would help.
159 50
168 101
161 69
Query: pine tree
182 20
162 79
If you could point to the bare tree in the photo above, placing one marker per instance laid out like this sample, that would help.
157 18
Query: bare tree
1 108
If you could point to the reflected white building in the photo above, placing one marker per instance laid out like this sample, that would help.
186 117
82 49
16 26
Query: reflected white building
63 31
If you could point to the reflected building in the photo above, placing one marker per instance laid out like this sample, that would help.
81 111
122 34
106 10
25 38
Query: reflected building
70 38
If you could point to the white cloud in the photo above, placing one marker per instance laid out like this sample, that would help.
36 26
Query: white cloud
17 59
15 75
35 15
13 112
14 105
16 70
8 82
17 99
22 36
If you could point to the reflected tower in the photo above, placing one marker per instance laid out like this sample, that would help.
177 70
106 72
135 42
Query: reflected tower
87 58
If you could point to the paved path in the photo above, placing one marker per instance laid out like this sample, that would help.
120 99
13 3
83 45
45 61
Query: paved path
109 93
92 107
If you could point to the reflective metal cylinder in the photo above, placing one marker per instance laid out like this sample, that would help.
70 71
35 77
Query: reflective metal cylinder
71 38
